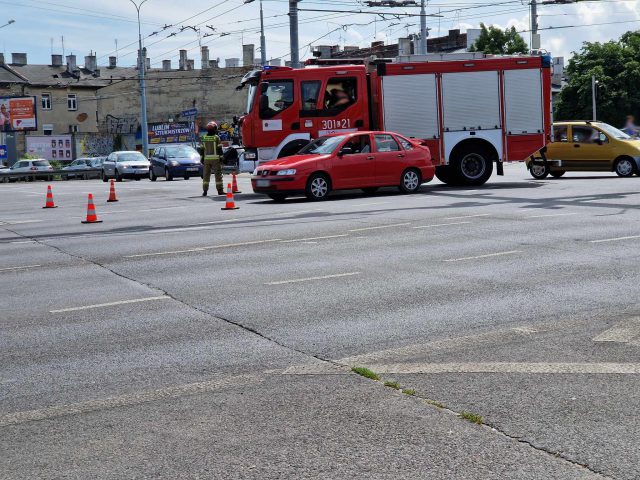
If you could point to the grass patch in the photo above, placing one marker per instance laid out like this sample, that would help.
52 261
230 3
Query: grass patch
472 417
409 391
365 372
435 403
394 385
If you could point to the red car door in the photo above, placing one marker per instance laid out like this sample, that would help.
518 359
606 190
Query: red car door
355 168
390 159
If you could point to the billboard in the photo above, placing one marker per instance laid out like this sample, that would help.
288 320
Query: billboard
51 147
18 114
175 132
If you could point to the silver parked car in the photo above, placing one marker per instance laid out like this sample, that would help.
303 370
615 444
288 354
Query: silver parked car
121 165
30 170
81 168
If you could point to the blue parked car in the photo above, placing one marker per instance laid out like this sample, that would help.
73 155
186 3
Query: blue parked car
175 161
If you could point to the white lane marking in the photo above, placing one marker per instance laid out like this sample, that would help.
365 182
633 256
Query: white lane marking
310 279
202 249
624 332
442 225
19 268
369 204
488 255
25 241
19 222
110 304
551 215
509 367
130 399
468 216
617 239
313 238
379 227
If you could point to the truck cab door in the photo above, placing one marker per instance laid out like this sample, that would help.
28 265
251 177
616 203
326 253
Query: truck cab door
342 106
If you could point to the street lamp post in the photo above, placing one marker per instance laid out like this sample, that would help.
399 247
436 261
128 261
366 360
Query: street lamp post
8 23
263 42
144 128
594 89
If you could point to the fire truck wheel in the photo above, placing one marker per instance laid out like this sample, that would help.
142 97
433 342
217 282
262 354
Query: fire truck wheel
539 171
472 166
410 181
277 197
318 187
557 173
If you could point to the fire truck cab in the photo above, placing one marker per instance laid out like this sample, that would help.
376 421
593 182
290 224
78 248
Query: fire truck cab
471 113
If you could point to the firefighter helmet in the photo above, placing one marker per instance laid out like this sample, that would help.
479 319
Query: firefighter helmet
212 125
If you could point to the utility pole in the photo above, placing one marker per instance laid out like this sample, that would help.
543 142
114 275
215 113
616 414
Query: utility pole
535 38
263 42
594 87
144 127
293 33
423 28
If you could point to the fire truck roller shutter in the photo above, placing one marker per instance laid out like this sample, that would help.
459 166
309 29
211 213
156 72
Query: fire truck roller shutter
471 100
523 102
411 105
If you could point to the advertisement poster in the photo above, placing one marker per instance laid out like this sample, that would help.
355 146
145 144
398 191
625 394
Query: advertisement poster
176 132
50 147
18 114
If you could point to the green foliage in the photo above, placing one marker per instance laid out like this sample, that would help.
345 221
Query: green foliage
616 66
390 384
56 164
409 391
365 372
28 156
472 417
498 42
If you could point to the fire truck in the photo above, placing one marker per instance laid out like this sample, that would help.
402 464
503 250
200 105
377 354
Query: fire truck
471 114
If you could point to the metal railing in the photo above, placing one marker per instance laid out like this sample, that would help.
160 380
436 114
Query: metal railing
89 173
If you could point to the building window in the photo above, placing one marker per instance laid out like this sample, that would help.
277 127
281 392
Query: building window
73 128
72 102
46 101
47 129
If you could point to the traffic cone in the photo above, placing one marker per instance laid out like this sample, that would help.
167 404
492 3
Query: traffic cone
112 193
231 204
235 183
49 203
91 211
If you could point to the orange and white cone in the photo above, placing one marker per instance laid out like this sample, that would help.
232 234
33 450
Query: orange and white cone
234 183
231 203
49 203
112 193
91 211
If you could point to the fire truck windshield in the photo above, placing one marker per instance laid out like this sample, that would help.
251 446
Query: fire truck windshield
323 145
250 97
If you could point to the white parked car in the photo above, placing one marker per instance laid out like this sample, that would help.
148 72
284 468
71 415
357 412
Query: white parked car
38 168
121 165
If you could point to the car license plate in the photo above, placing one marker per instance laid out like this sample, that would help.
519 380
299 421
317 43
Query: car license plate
263 183
192 169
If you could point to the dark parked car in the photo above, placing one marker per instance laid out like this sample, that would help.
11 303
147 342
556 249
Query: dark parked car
175 161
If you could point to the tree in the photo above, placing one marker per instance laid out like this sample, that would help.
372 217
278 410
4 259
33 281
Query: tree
498 42
616 66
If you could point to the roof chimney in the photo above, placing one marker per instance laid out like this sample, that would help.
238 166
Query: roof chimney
1 58
166 65
113 62
204 54
191 64
91 63
248 54
404 46
71 63
183 60
19 59
214 64
56 60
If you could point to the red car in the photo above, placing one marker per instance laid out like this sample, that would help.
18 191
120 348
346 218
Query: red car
364 160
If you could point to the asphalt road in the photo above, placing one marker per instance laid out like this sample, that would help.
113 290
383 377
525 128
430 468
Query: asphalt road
177 340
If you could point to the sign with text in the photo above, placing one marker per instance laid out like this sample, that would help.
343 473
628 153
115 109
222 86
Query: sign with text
4 152
51 147
18 114
175 132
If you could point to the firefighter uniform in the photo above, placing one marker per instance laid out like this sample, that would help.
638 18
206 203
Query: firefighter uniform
212 162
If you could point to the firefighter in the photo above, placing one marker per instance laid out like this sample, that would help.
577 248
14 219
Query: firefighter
211 144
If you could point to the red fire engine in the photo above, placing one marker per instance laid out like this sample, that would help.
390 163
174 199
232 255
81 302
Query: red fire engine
471 113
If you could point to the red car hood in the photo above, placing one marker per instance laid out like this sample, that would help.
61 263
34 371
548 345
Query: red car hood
295 160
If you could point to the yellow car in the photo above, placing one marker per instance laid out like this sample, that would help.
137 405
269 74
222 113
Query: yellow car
583 146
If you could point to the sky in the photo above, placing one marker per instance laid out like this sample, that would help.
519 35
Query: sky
225 25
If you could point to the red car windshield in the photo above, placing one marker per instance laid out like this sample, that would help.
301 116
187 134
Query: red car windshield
322 146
